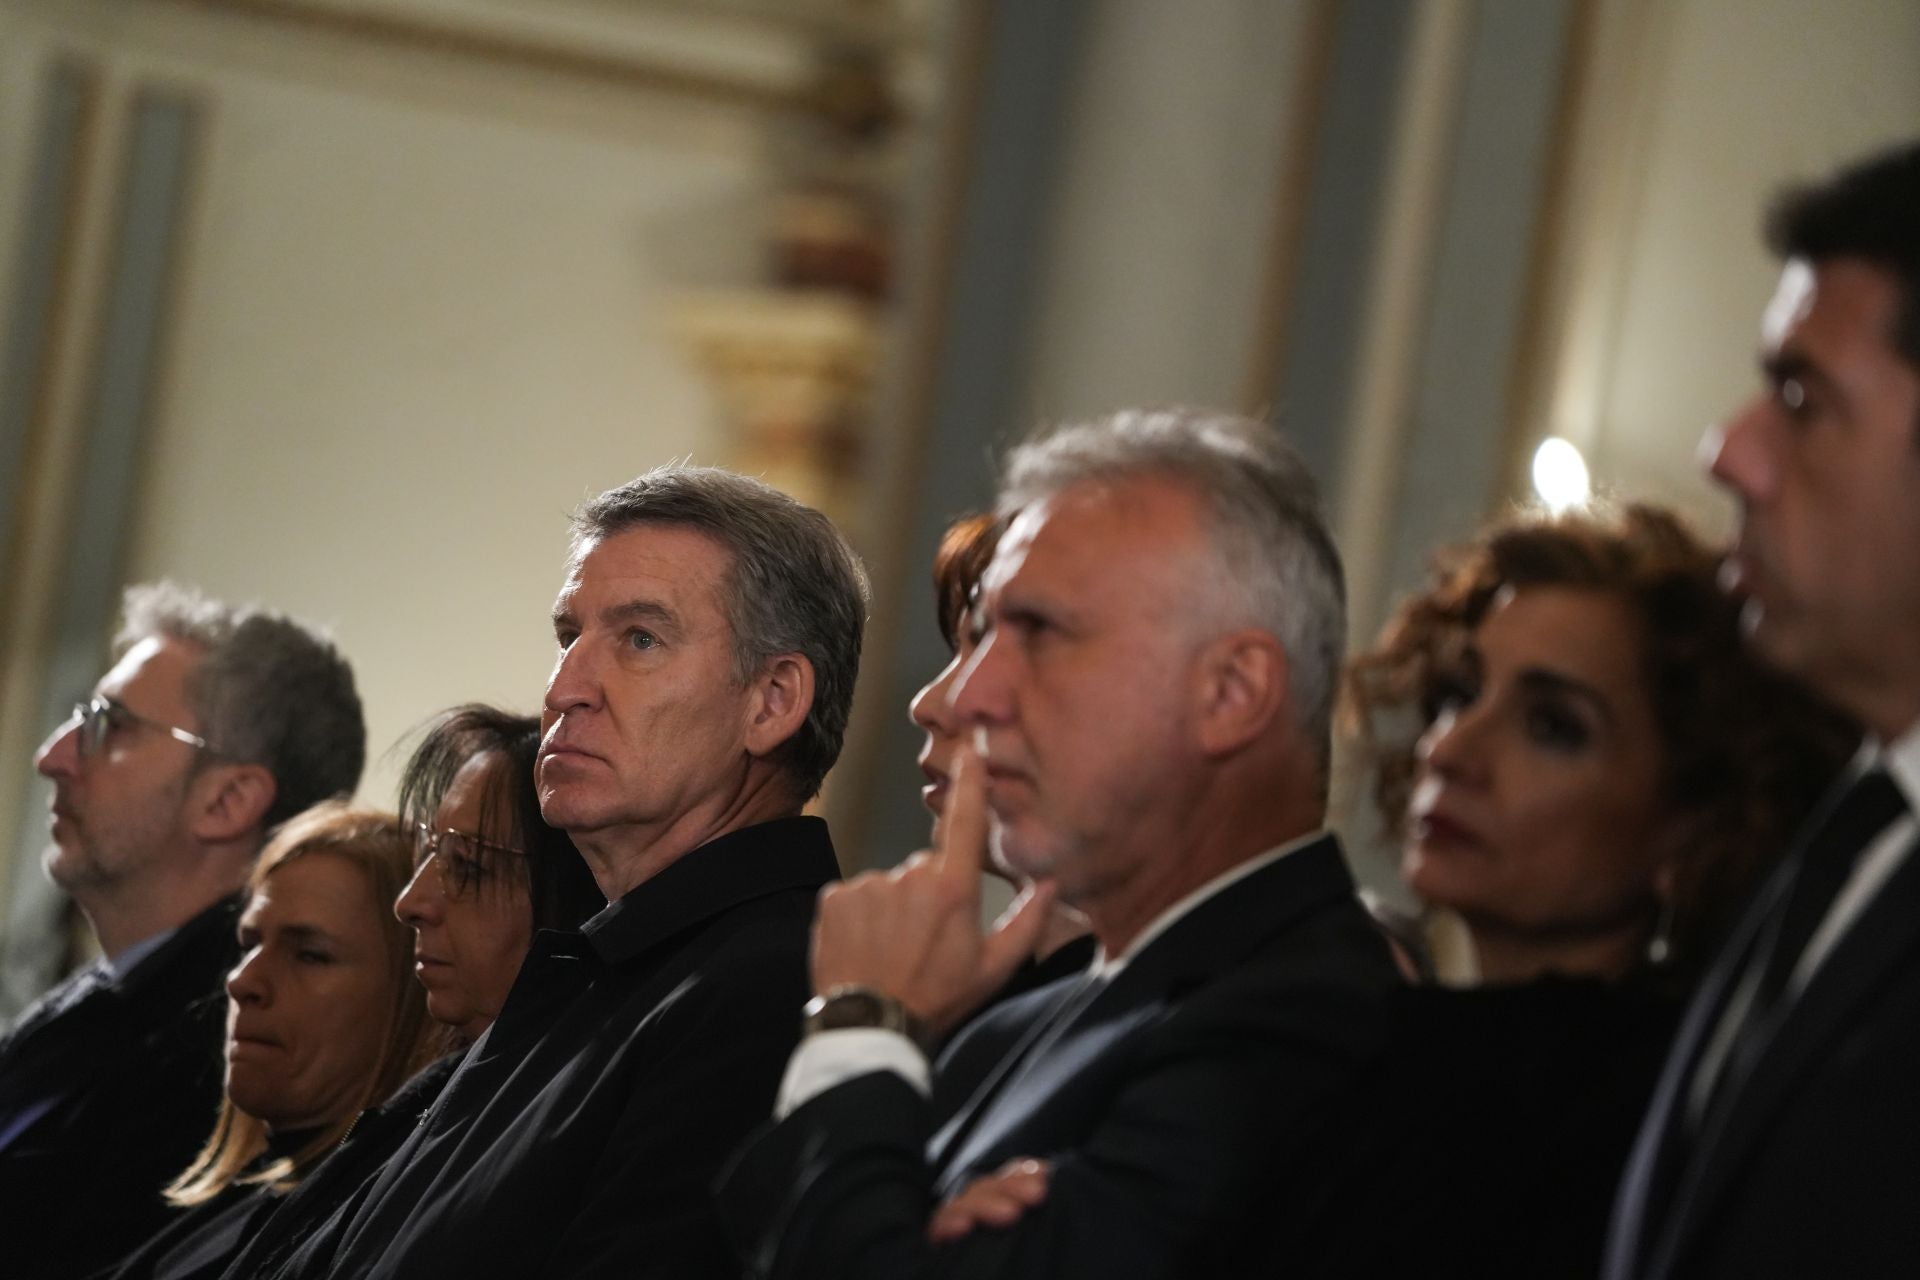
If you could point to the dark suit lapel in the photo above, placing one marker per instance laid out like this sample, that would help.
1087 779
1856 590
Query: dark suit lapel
1860 964
1655 1162
1215 935
1047 1007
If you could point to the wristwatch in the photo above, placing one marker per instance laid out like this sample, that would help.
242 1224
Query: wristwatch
851 1005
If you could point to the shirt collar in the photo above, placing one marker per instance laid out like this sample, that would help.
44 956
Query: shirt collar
1105 966
752 862
1902 760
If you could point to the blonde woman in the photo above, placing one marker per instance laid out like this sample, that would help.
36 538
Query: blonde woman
323 1019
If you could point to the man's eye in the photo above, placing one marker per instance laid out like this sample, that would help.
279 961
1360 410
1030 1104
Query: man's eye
565 639
1026 624
641 640
307 955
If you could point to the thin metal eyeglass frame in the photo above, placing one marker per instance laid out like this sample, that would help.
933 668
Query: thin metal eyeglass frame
95 720
426 843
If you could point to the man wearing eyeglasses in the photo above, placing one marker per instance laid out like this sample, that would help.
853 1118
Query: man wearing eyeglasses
213 725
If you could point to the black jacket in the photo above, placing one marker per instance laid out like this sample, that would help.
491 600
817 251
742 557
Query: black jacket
1236 1034
1811 1167
1496 1129
107 1090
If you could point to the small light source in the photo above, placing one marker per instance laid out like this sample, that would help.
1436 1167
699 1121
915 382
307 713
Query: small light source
1560 474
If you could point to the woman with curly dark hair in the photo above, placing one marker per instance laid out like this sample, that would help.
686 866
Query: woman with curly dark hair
1588 770
1599 767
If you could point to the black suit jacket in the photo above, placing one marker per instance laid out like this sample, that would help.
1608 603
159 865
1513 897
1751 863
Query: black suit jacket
1812 1166
125 1082
581 1133
1161 1103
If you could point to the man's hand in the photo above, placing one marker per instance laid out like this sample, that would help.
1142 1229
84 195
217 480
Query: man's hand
914 932
997 1200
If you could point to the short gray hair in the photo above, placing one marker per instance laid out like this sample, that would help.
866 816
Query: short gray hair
1279 568
267 690
793 586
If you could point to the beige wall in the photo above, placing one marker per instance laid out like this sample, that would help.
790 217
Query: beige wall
424 310
1705 110
1158 247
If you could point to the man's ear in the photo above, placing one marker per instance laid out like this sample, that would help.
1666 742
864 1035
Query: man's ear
227 801
1242 687
783 695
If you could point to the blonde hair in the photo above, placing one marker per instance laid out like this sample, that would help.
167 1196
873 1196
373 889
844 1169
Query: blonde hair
374 843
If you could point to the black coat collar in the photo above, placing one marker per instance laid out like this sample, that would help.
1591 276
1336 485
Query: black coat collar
752 862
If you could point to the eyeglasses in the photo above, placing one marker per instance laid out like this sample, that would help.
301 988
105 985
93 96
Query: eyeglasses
462 858
97 718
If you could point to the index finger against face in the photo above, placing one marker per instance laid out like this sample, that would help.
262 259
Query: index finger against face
963 827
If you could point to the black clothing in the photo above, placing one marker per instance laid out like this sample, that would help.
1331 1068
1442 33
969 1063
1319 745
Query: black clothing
315 1211
1498 1124
1159 1096
580 1136
1807 1161
200 1241
1069 958
107 1089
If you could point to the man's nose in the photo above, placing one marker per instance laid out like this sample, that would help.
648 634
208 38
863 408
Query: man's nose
574 682
1738 452
982 690
59 755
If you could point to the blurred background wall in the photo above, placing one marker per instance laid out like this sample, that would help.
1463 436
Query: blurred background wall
342 305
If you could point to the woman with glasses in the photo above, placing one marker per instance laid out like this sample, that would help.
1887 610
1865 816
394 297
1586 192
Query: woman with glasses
488 870
323 1020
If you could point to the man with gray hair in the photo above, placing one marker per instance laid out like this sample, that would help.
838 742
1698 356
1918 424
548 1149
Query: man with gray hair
707 638
215 724
1150 699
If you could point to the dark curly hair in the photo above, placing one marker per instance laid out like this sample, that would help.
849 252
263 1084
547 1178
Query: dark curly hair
1747 751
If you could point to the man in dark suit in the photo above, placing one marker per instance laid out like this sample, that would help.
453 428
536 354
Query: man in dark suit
1784 1137
215 724
708 634
1150 702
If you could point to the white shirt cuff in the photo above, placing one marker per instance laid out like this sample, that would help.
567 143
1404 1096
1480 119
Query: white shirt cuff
827 1058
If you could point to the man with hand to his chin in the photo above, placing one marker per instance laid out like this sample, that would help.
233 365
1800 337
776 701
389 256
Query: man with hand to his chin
1150 699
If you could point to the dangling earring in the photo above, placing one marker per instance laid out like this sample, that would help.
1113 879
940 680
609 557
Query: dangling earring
1660 945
